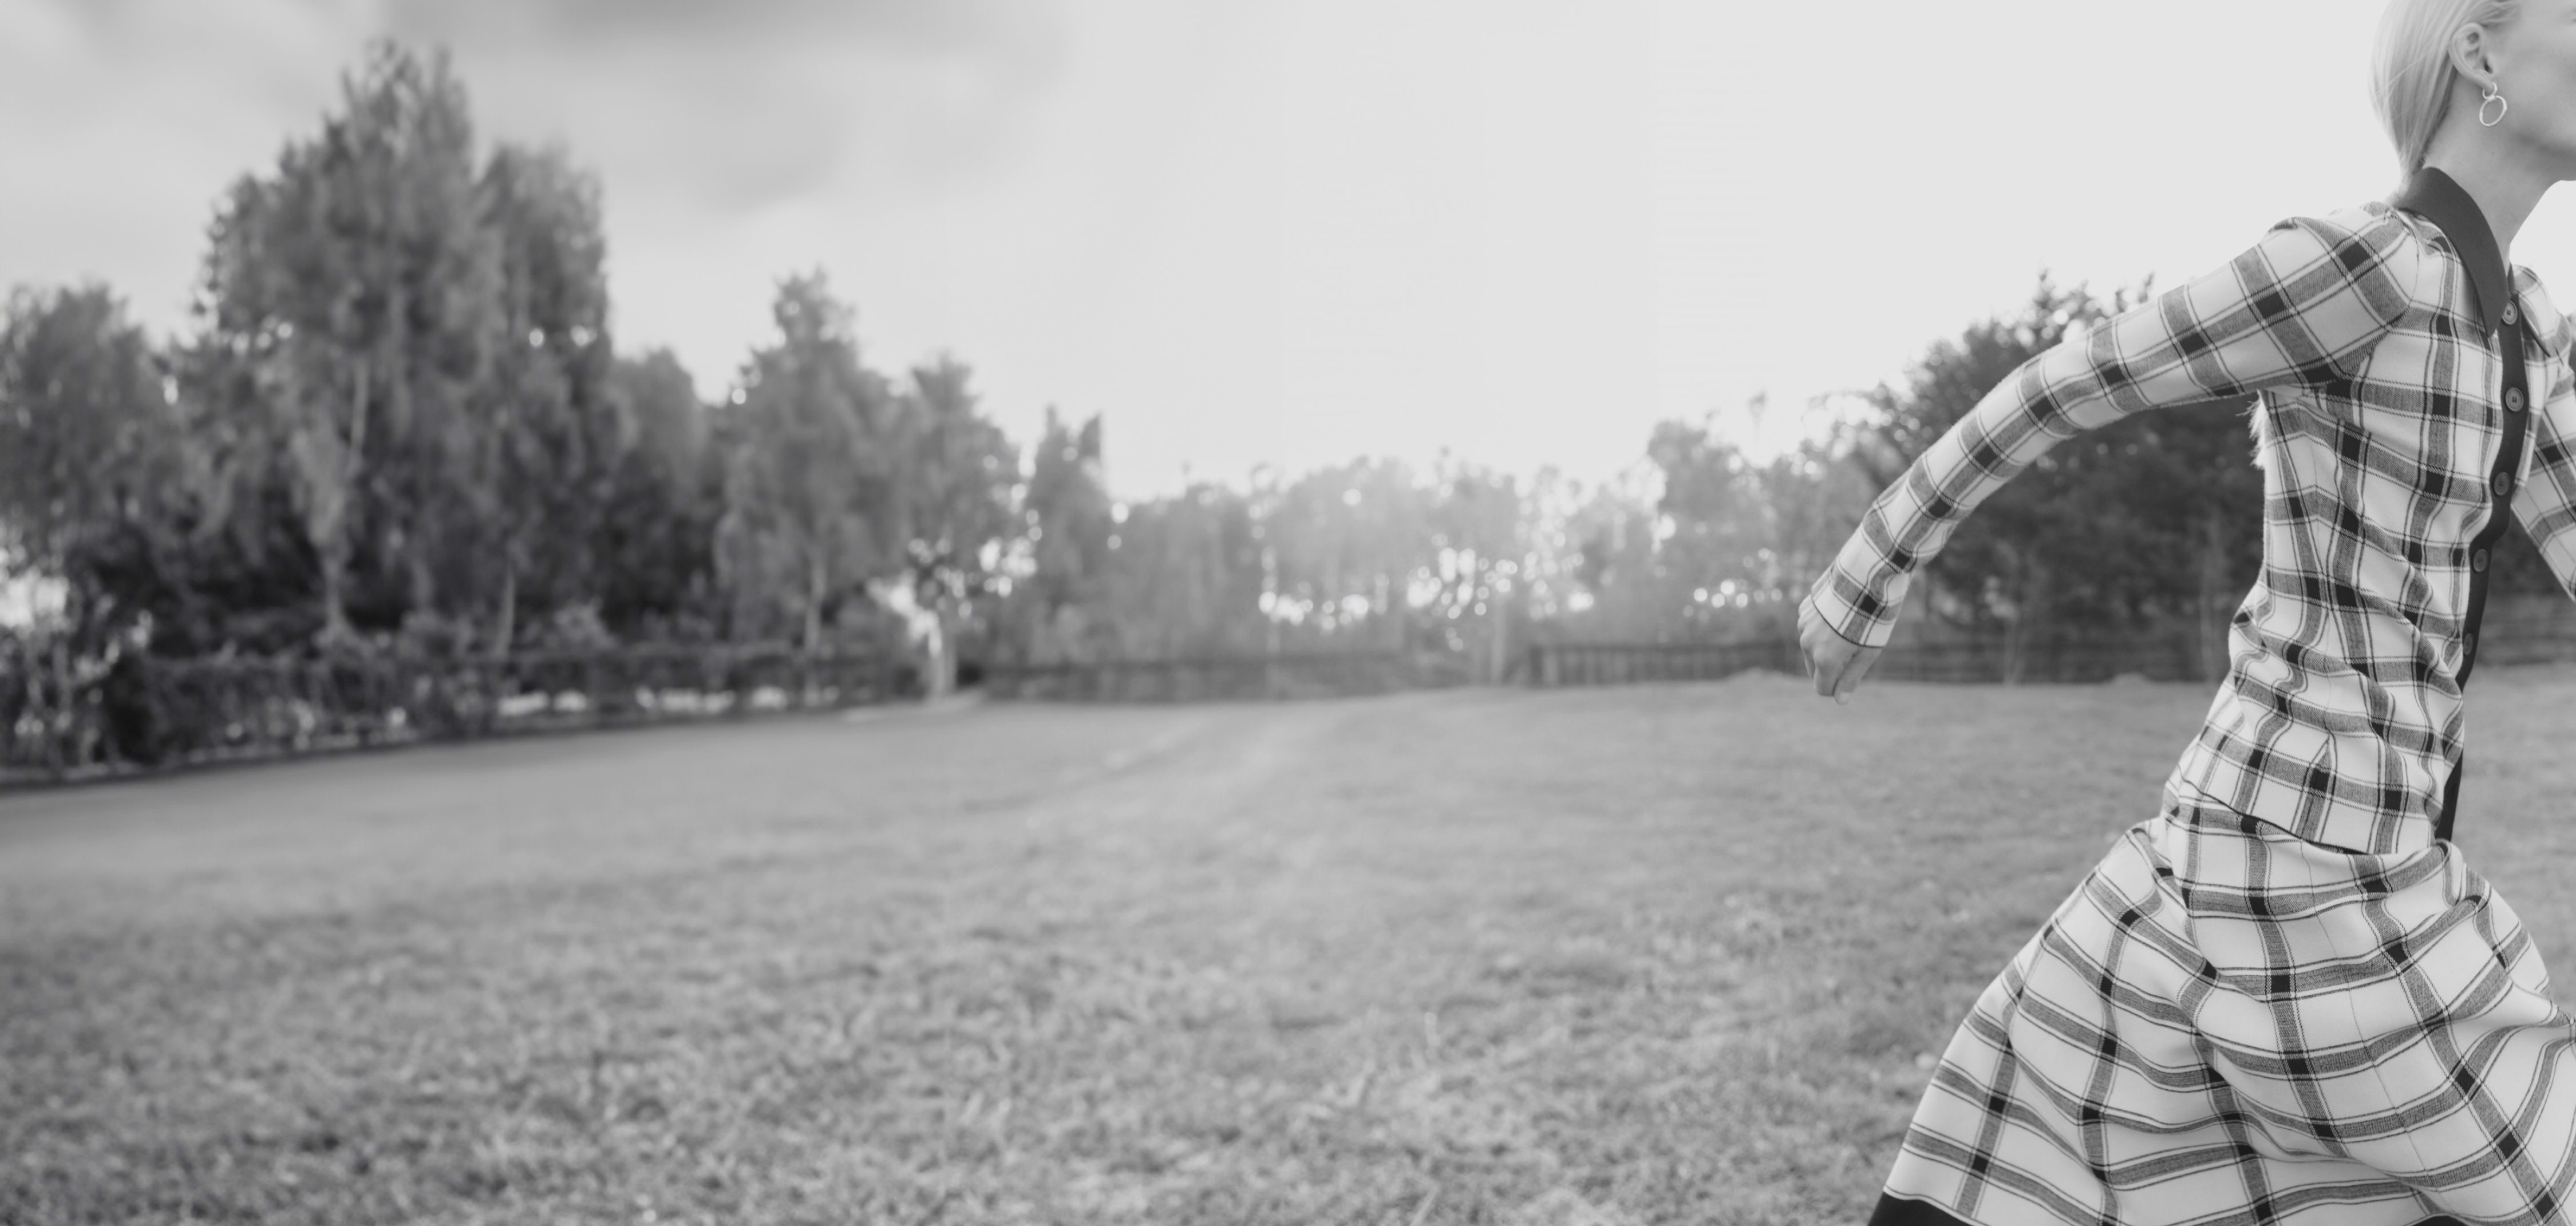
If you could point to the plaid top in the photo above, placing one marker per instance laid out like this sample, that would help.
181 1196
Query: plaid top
2367 334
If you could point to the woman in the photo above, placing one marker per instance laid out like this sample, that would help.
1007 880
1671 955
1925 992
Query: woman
2286 997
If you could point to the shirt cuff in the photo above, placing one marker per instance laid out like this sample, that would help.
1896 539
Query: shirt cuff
1863 613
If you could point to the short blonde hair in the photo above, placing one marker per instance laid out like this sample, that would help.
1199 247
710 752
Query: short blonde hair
2411 70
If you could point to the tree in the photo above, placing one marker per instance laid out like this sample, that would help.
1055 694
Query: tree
1814 498
93 468
1716 511
813 508
1186 576
1744 539
357 289
546 434
653 549
1347 544
958 479
1064 574
1557 509
1602 547
2198 488
1477 529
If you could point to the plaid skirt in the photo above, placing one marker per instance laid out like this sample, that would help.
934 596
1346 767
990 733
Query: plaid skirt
2228 1024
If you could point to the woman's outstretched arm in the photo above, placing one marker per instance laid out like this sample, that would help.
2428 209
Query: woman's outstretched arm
2304 306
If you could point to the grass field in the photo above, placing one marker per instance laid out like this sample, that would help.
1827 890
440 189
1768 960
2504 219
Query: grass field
1660 954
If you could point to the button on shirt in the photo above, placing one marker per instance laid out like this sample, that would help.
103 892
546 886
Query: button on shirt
2371 341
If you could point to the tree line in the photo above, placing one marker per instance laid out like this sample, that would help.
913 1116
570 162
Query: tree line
398 421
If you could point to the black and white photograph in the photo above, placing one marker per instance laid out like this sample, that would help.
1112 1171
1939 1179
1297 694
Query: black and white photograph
1283 612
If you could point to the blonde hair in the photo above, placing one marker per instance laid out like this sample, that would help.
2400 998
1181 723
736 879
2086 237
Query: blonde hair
2411 69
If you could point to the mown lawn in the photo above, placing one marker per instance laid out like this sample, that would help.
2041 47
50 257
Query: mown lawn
1661 954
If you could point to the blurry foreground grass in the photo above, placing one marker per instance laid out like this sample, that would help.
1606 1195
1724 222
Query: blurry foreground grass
1671 954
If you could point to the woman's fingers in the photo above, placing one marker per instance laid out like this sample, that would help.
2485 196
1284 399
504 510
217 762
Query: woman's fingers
1817 649
1834 663
1826 664
1853 670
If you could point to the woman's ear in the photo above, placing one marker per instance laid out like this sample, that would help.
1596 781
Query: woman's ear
2468 51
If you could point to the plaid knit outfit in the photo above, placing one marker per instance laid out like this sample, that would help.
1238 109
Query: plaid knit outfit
2285 998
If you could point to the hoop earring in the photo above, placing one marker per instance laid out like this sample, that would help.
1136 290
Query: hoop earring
2500 104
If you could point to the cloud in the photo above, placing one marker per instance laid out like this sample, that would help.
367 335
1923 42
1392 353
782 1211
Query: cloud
979 27
722 110
702 111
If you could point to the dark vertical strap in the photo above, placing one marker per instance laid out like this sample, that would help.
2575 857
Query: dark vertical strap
2511 342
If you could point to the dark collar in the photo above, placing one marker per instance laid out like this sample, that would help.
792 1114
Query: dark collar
2437 198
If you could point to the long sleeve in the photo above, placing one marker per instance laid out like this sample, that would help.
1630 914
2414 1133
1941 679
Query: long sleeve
2304 306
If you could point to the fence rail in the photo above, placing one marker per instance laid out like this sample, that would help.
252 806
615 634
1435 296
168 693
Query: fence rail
1582 664
2517 630
1213 678
1564 664
57 722
148 712
2528 630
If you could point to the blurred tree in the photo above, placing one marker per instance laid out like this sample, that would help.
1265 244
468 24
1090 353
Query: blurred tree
546 433
813 504
1743 539
1814 498
95 475
1720 523
402 402
1477 533
959 476
249 578
359 288
1068 517
1554 564
1347 544
2198 492
1186 576
653 553
1615 584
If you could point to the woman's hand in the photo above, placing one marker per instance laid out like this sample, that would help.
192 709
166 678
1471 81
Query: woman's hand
1835 663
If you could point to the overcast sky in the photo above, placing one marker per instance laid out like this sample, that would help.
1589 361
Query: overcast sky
1291 231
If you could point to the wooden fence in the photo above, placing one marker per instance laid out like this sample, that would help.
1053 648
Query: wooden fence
1563 664
1217 678
1575 664
2528 630
2517 630
149 712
